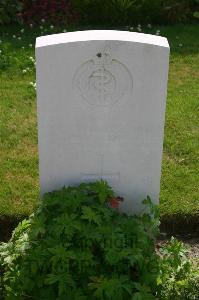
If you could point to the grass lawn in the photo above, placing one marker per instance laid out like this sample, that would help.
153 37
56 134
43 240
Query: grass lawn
19 186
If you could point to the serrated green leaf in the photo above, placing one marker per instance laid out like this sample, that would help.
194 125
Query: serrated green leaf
89 214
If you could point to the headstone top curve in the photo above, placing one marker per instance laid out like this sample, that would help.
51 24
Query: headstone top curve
101 35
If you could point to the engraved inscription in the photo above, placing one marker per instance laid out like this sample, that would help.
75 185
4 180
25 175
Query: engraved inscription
103 81
111 177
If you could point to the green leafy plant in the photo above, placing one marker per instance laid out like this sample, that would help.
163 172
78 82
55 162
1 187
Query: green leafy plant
178 11
196 9
9 10
117 12
78 246
127 12
179 278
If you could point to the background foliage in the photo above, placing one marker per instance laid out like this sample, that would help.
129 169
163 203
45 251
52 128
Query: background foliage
128 12
52 11
9 10
99 12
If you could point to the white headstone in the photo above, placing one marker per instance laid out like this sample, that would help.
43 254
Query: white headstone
101 104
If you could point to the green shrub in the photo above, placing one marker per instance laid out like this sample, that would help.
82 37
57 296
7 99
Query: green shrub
127 12
179 277
9 10
76 247
99 12
178 11
116 12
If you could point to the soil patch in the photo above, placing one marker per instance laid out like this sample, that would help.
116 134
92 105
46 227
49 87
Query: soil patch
7 225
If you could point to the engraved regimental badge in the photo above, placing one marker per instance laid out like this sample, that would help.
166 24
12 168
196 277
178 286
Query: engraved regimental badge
103 80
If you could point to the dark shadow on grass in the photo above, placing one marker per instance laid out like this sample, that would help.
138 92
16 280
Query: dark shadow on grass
7 225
